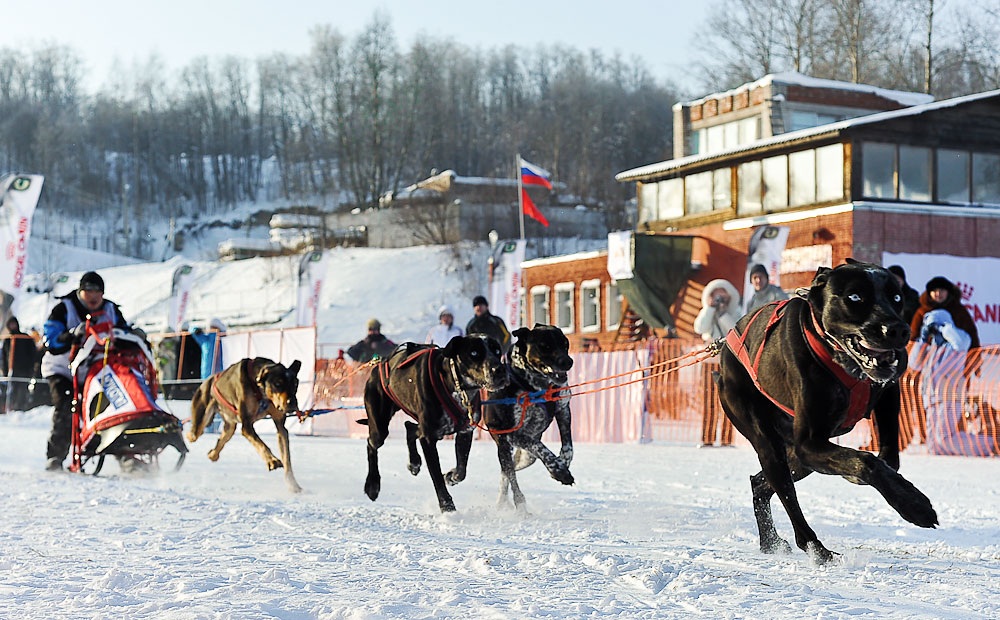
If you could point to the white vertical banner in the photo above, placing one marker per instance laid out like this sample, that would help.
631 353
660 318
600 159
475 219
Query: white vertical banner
621 256
312 270
505 289
180 295
20 193
766 245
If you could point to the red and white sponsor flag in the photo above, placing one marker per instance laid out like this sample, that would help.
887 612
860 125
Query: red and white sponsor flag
180 296
20 194
505 287
312 271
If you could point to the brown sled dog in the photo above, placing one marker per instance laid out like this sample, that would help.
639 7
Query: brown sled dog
247 391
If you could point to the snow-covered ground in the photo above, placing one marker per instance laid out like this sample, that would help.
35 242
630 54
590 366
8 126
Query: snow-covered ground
648 531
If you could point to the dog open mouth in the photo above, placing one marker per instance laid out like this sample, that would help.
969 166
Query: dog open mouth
875 361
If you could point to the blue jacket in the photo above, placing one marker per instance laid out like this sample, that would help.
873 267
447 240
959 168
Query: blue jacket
206 340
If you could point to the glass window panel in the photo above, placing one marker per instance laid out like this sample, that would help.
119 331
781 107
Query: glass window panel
564 308
590 306
731 133
722 188
698 192
614 305
830 173
953 176
716 139
749 188
647 202
749 129
878 169
985 178
802 178
670 199
775 183
540 306
915 173
803 120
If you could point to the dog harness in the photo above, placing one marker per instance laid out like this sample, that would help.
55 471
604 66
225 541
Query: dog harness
452 408
859 389
256 390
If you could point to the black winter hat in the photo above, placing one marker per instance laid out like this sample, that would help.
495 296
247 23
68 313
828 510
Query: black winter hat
479 299
91 282
940 282
758 268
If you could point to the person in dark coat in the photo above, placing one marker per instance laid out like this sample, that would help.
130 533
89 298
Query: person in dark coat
488 324
374 344
911 298
941 294
18 364
188 365
63 329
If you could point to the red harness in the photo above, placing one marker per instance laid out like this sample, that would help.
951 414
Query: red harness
452 408
859 389
256 389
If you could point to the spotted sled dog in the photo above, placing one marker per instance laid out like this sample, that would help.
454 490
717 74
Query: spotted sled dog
539 361
798 372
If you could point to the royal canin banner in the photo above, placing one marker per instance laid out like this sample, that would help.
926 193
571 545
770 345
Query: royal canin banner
312 271
975 277
180 296
505 286
20 194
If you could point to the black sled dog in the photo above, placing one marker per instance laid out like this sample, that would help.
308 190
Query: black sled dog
796 373
437 388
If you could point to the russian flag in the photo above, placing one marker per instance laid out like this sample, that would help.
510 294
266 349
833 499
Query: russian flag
533 175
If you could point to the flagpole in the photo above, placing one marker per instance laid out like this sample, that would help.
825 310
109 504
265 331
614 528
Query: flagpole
520 189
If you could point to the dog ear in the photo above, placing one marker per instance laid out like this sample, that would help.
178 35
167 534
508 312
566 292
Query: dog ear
452 349
262 374
521 332
293 370
815 296
851 261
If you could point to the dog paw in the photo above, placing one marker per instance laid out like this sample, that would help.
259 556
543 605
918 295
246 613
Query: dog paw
213 455
819 554
447 505
273 464
414 467
562 475
372 487
911 504
191 437
452 478
775 545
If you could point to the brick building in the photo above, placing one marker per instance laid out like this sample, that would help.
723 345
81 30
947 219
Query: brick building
851 170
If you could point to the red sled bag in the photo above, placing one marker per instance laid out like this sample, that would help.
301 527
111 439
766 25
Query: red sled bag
114 408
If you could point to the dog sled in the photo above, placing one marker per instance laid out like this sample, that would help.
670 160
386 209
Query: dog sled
114 403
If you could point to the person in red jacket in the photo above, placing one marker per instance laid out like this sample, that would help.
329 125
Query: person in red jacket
941 294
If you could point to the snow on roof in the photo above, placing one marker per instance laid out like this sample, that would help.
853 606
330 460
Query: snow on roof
553 260
829 128
794 78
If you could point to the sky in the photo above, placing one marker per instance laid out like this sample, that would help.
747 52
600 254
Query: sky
658 32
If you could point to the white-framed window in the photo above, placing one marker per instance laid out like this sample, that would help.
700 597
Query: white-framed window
590 306
564 313
830 172
615 300
539 305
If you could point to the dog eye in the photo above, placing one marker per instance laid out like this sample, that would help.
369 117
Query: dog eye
474 353
897 299
854 297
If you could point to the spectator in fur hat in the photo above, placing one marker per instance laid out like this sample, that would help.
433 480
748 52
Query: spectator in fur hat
373 345
442 333
941 294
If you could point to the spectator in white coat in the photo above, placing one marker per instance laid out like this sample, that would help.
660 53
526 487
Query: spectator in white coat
720 309
442 333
